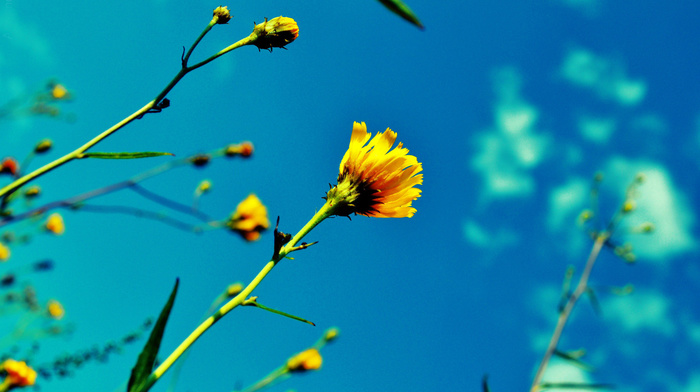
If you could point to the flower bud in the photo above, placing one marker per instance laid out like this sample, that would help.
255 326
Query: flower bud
43 146
200 160
32 192
275 33
4 252
222 15
306 360
9 165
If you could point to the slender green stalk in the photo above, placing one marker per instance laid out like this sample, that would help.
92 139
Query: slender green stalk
564 315
323 213
78 153
277 375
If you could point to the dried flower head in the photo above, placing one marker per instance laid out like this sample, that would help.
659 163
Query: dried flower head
306 360
275 33
374 179
249 219
19 374
9 165
222 14
55 224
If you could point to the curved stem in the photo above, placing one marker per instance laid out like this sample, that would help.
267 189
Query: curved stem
566 312
323 213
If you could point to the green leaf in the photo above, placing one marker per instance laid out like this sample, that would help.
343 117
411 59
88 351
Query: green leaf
573 385
575 358
124 155
144 365
399 8
253 302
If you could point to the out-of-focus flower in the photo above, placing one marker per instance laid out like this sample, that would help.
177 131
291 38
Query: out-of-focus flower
4 252
32 192
58 91
306 360
233 289
275 33
203 187
331 334
244 149
200 160
249 219
19 374
55 309
375 180
55 224
43 146
223 14
10 166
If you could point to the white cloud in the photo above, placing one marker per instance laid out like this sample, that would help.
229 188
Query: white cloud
605 77
658 202
566 202
563 372
512 146
640 311
479 236
23 36
596 129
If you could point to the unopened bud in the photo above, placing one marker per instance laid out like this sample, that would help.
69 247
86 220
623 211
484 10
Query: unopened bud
200 160
275 33
43 146
222 14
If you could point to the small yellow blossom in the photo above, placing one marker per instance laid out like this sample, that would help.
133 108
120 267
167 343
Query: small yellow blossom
4 252
375 180
233 289
55 224
32 192
55 309
244 149
306 360
222 14
331 334
629 206
43 146
249 219
275 33
58 91
203 187
19 374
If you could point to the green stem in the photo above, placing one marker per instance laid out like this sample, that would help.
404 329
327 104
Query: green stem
323 213
76 154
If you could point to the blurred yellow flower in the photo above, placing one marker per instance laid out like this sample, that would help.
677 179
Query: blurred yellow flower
249 219
375 180
55 309
203 187
55 224
19 374
306 360
59 91
4 252
275 33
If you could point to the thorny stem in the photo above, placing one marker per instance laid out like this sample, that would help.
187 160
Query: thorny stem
568 308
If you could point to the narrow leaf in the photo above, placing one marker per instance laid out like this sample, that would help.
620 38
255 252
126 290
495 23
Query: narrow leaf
485 383
124 155
572 385
594 301
144 365
399 8
263 307
575 358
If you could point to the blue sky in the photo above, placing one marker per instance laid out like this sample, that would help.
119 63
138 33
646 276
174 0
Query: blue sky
511 107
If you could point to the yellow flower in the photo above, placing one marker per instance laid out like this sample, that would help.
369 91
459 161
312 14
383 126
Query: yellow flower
19 374
249 219
222 14
59 92
275 33
55 224
233 289
4 252
203 187
306 360
55 309
375 180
